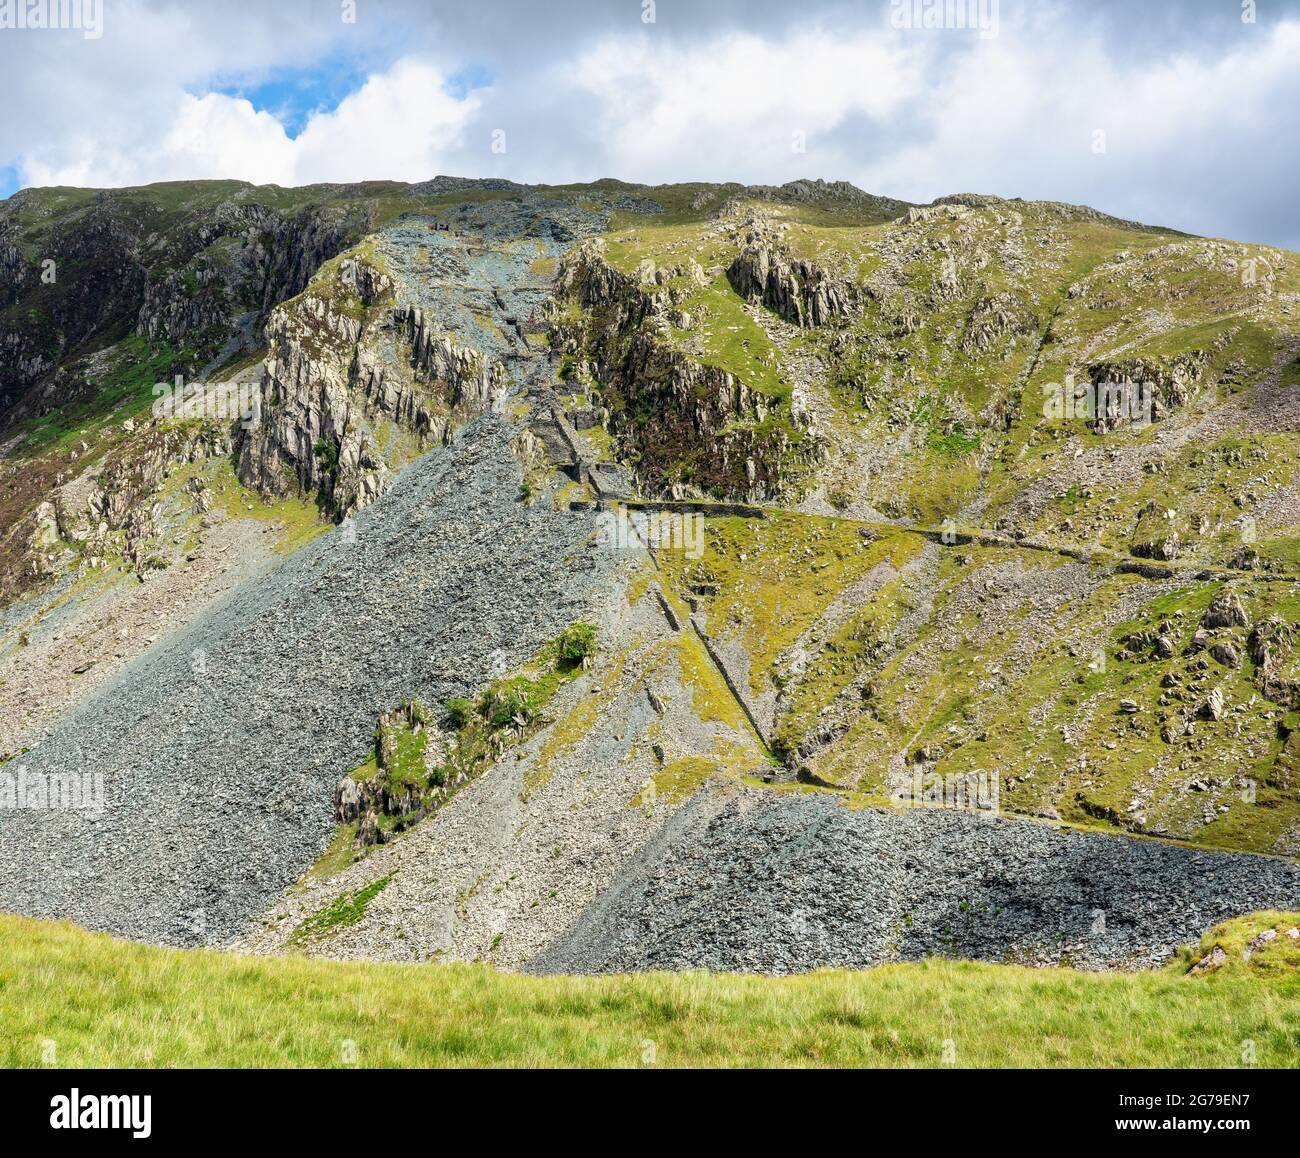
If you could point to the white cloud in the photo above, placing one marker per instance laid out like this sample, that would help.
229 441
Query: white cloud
1199 142
221 136
729 107
399 125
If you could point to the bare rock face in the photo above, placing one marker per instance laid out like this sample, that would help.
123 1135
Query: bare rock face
14 272
1271 646
1155 536
1226 653
306 409
465 377
1214 706
800 291
330 379
1225 610
994 318
744 444
1145 389
246 258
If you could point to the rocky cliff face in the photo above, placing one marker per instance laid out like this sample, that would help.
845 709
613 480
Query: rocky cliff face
239 266
686 426
468 380
110 509
346 362
800 291
1144 389
75 272
46 315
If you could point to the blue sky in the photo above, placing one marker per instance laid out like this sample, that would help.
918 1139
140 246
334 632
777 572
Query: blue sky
1177 112
292 95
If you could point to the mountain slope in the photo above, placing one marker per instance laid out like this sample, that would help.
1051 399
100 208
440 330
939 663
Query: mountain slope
982 493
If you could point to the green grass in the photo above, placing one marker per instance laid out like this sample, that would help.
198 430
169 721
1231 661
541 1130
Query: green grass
766 581
125 391
108 1003
344 910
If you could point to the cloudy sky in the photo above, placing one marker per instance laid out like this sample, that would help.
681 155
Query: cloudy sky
1175 112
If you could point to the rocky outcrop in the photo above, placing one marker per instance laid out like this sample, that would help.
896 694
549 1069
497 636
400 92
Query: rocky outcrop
993 318
121 497
406 781
14 272
242 263
110 508
800 291
20 363
684 426
1225 610
1271 648
817 191
54 311
308 432
1155 536
330 381
1140 390
465 378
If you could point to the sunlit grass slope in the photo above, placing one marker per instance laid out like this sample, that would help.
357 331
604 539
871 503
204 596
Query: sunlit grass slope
102 1002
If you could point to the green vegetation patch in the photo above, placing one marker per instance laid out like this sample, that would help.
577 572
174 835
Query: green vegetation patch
1263 944
345 910
764 582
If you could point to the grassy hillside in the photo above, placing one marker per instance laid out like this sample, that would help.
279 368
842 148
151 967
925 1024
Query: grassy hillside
103 1002
925 356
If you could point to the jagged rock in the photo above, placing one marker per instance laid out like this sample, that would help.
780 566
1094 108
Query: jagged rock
1225 610
700 412
800 291
1257 942
1145 389
1155 536
323 388
1226 653
1214 706
247 257
347 800
1271 646
368 831
993 318
1213 960
466 379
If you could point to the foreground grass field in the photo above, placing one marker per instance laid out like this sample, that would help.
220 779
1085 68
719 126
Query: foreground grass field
71 998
